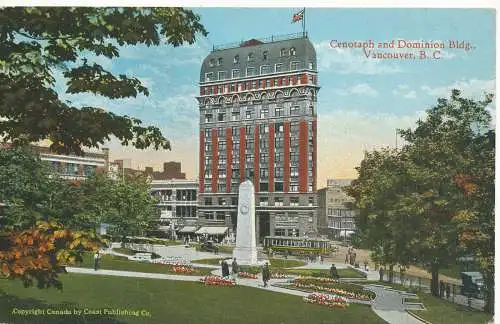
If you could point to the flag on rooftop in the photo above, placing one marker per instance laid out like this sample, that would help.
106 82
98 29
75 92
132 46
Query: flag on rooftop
298 16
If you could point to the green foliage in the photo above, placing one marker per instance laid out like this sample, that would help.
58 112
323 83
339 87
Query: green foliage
432 200
38 43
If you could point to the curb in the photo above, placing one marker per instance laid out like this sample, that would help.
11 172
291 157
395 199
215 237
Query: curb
418 317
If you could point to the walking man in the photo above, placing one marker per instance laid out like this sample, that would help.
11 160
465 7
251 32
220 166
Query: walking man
333 272
266 274
234 269
96 260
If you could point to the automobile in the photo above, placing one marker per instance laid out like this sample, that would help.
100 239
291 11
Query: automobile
472 284
209 246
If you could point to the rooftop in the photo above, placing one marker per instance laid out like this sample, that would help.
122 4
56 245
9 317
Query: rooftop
259 41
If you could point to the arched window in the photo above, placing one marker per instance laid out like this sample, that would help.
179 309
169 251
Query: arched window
236 59
211 62
292 51
251 57
265 55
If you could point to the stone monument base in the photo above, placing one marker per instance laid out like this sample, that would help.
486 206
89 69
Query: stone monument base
245 255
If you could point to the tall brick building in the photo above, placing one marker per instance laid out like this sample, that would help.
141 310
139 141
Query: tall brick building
258 122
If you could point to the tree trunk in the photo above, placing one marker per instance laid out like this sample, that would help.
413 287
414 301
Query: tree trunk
489 298
391 273
435 280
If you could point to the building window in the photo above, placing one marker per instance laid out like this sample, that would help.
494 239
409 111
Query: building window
251 57
236 59
294 65
220 132
295 110
264 113
208 201
292 51
294 187
221 187
220 117
222 75
311 66
278 186
222 201
236 74
234 201
284 52
211 63
268 83
209 76
263 186
279 232
207 132
265 69
264 173
279 67
278 201
265 55
208 118
248 114
263 201
311 201
250 71
219 61
220 215
235 115
294 201
279 111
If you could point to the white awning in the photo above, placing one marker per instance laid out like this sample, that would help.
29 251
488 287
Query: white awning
188 229
346 233
212 230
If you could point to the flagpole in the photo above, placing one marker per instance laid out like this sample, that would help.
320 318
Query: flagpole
304 24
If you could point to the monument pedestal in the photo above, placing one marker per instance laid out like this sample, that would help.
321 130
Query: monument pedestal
245 251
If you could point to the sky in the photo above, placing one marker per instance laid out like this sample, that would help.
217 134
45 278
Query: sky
362 101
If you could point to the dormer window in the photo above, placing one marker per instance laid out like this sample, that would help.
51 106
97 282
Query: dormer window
222 75
294 65
236 59
265 55
265 69
251 57
209 77
284 52
219 61
211 63
292 51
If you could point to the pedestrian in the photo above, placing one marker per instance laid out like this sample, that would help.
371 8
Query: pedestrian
234 268
266 274
320 257
366 265
441 289
381 273
333 273
96 260
225 269
448 288
346 258
354 258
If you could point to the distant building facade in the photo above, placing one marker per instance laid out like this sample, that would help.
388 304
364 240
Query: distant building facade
336 218
258 121
171 170
178 202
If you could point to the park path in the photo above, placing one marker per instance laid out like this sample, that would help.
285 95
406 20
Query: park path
387 305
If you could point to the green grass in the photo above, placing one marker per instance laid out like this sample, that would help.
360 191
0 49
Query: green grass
113 262
126 251
440 311
169 302
343 273
285 263
211 261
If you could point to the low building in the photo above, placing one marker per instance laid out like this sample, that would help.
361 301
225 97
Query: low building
336 216
178 202
171 170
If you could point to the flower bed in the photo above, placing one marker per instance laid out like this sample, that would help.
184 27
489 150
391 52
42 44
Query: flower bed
325 300
247 275
183 269
278 275
350 291
217 281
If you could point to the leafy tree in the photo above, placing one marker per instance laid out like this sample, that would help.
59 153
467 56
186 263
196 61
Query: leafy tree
453 157
37 43
135 211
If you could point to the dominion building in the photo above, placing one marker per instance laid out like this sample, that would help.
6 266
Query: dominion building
258 122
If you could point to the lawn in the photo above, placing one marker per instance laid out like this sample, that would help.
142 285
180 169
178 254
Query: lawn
343 273
211 261
113 262
165 301
440 311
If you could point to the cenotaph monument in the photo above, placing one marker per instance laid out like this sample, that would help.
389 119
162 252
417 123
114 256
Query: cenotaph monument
245 251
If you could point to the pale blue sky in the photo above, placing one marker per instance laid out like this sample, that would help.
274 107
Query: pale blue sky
361 100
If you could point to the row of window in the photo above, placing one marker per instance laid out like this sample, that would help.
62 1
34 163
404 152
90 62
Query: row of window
251 57
73 168
263 187
263 129
253 71
263 113
263 201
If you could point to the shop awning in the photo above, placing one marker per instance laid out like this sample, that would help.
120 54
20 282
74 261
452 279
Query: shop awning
188 229
212 230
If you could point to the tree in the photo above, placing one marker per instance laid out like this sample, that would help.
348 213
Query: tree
35 243
36 43
134 208
453 157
